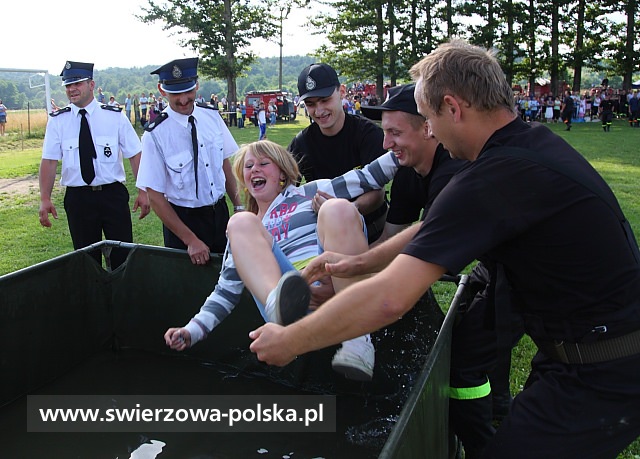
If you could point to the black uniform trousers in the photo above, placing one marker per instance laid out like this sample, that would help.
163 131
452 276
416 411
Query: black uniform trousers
607 118
208 223
92 211
480 356
572 411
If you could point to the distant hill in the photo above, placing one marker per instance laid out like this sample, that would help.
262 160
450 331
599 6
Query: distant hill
17 91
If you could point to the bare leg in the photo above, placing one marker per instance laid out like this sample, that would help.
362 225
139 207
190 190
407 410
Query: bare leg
251 249
340 229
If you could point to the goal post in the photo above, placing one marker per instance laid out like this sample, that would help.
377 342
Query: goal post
47 89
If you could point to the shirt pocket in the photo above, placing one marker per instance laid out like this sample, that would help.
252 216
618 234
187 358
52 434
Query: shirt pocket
107 149
70 158
180 169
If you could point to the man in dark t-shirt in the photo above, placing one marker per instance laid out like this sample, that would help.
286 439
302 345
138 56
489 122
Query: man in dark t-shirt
606 112
425 166
534 205
567 109
337 142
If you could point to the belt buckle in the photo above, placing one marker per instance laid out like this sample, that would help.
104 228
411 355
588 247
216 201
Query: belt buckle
560 351
569 352
96 188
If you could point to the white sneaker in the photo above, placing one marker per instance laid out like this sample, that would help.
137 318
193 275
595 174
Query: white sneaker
289 301
355 359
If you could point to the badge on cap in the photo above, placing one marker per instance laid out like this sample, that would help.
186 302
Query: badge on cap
310 84
75 72
179 75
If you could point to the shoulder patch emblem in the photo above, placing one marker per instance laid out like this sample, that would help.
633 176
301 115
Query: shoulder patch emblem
60 111
111 108
159 119
205 105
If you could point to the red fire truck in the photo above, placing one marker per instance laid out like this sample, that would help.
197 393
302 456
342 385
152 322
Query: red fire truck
286 110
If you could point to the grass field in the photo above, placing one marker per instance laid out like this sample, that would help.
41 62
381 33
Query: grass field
26 123
23 242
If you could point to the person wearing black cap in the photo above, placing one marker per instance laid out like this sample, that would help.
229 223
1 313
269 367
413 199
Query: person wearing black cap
91 140
337 142
426 165
185 165
425 169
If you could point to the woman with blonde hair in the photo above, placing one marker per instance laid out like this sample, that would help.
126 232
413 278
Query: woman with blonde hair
284 228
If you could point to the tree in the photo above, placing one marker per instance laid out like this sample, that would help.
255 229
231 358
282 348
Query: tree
10 95
484 34
623 54
365 36
357 33
417 25
499 24
586 29
218 30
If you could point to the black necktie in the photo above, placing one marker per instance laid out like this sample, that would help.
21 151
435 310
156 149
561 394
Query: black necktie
194 144
87 150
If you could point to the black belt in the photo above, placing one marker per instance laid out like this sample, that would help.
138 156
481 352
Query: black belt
94 187
199 210
602 350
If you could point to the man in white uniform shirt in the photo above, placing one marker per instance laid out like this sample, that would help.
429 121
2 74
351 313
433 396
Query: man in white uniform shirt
185 165
96 199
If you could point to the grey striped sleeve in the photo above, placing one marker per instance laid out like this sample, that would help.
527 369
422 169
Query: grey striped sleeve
374 176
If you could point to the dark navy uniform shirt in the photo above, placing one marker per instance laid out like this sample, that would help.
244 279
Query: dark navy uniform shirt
320 156
411 193
567 260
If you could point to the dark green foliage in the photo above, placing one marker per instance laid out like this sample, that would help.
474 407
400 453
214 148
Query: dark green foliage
118 82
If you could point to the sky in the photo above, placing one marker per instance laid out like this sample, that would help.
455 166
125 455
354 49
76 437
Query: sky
39 35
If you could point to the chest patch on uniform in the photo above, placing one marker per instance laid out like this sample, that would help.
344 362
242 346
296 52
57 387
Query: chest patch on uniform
107 152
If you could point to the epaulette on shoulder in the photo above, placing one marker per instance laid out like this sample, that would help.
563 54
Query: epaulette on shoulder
60 111
112 108
159 119
205 105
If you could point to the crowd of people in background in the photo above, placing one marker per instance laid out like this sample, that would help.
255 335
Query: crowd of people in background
545 107
587 107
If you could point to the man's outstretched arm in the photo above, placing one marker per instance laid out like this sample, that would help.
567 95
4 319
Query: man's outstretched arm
371 261
362 308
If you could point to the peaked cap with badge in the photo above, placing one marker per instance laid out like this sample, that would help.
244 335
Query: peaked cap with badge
317 80
399 99
74 72
179 75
